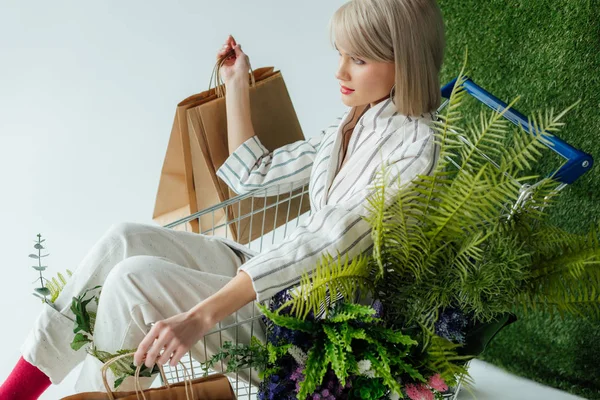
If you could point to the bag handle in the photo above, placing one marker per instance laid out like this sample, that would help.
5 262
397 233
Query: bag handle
138 386
219 85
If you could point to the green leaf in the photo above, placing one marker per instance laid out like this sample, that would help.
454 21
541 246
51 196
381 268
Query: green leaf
82 317
287 321
334 278
79 341
119 381
43 291
315 370
39 296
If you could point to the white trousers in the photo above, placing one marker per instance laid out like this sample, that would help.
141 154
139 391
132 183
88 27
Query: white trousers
148 273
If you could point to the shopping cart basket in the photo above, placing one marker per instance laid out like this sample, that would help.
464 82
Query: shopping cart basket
575 164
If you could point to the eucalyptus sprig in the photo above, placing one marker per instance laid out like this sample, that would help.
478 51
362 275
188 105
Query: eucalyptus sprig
49 289
42 292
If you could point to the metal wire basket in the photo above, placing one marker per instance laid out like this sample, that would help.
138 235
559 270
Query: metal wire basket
245 382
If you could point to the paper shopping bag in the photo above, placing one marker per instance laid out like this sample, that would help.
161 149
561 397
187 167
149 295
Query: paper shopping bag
198 146
214 387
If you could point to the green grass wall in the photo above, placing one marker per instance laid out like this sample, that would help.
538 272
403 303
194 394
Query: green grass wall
547 52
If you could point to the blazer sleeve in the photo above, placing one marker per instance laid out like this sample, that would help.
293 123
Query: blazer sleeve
252 166
338 228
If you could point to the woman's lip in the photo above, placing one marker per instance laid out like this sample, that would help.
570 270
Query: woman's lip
345 88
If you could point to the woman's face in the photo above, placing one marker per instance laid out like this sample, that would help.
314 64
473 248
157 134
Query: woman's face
372 81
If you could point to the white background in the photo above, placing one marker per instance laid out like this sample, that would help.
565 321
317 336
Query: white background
87 96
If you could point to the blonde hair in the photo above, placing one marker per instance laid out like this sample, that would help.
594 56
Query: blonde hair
409 33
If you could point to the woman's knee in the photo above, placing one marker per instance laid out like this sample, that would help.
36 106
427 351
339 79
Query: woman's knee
125 289
134 267
125 228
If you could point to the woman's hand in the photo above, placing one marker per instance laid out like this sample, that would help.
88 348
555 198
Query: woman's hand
237 63
175 335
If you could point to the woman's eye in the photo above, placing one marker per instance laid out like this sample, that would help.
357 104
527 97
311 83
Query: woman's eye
360 62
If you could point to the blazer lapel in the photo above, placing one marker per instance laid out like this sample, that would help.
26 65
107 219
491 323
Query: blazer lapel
378 124
336 149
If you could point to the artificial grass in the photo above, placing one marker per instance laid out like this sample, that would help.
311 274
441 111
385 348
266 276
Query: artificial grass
547 52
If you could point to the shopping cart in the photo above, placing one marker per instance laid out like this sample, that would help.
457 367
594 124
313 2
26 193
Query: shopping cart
575 164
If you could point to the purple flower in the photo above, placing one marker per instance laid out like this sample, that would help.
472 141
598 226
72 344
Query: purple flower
378 307
451 324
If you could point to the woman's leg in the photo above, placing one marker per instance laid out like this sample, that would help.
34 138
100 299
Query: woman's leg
144 289
48 345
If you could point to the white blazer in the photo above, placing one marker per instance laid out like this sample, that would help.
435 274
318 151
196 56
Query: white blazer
337 197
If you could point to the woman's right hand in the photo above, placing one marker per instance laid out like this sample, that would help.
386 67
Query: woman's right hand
237 63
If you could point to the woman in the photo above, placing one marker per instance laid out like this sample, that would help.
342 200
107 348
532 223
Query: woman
164 289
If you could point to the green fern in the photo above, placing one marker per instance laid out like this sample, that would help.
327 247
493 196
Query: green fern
56 285
458 237
444 360
336 350
330 278
315 369
287 321
350 333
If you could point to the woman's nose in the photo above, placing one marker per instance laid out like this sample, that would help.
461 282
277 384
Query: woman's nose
341 73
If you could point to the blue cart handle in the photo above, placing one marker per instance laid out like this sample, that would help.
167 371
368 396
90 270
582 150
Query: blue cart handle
578 162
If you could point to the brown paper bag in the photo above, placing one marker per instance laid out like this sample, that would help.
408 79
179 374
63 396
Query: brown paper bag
198 147
214 387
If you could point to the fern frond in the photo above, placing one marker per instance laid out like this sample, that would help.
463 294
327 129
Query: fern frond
286 321
382 370
315 369
346 311
573 254
331 280
444 360
527 144
470 251
577 297
335 351
445 131
486 140
392 336
377 216
398 239
57 285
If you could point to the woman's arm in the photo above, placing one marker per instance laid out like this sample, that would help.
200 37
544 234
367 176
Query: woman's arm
176 335
236 294
239 122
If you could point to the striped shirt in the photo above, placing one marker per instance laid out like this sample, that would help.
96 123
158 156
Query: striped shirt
338 197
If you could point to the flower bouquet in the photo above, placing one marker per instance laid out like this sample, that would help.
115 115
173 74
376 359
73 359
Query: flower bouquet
453 258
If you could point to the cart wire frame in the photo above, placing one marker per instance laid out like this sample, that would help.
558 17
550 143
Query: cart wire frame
576 164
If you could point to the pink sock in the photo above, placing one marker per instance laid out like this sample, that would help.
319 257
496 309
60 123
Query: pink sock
25 382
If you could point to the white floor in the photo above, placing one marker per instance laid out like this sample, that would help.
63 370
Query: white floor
493 383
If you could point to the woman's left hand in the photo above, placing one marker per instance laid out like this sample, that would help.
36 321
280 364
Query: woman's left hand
175 335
